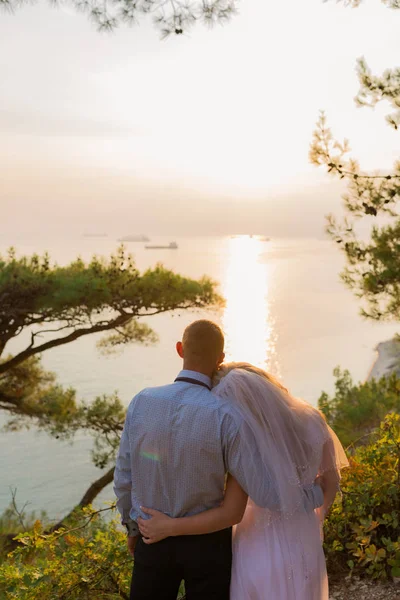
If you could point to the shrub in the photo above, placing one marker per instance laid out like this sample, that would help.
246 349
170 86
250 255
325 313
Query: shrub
356 410
87 561
362 532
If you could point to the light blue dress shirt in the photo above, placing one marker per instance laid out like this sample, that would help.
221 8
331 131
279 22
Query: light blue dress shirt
178 443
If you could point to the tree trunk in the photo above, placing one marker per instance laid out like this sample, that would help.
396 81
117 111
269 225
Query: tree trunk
96 488
91 493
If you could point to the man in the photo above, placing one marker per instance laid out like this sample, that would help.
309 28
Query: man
178 443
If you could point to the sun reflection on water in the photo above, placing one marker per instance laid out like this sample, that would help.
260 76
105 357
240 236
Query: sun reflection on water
247 320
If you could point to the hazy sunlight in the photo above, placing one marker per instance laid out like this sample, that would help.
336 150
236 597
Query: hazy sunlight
247 321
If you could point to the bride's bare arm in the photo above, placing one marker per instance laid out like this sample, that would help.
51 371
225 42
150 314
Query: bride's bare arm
329 479
229 513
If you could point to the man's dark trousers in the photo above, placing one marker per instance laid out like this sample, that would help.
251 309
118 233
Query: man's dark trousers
202 561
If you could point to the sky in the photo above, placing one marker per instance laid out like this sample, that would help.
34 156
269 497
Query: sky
206 133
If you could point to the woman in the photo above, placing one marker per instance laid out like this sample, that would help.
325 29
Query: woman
276 554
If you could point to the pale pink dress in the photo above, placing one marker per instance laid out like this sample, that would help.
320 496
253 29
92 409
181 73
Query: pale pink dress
278 560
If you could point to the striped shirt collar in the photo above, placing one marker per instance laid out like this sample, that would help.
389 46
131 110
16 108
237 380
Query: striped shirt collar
195 375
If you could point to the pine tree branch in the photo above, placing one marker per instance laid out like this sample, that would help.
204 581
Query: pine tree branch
122 319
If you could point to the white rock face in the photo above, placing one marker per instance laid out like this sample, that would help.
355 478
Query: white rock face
388 360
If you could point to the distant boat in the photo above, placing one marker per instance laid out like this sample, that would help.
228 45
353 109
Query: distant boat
171 246
134 238
260 238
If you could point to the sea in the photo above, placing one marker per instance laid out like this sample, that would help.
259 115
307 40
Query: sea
286 310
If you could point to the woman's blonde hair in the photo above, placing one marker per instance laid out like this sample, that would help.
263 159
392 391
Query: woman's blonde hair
225 368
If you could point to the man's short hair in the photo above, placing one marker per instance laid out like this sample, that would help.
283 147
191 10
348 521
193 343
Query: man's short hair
203 340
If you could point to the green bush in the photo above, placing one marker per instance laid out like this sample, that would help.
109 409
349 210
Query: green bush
356 410
87 561
362 532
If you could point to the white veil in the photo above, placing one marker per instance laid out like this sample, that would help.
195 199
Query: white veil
292 438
